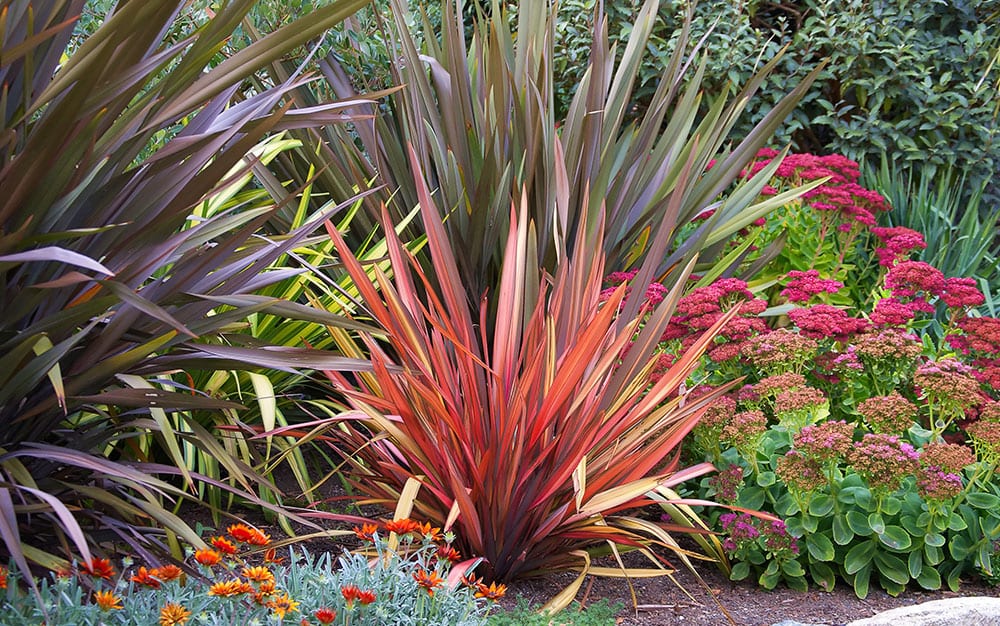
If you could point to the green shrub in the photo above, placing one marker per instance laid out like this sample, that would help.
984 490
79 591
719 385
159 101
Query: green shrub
911 77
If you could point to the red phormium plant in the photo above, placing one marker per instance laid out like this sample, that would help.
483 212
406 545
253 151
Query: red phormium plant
527 432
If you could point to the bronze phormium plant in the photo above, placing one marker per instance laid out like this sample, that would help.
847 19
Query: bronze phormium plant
108 281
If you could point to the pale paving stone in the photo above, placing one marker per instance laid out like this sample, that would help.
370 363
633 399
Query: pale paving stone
974 611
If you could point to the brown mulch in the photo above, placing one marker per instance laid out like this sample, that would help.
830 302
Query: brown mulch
662 602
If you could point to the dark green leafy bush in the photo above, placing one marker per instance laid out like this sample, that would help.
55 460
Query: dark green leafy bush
913 78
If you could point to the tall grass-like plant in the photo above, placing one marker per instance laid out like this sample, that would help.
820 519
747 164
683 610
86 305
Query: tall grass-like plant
480 115
524 405
960 228
532 435
109 276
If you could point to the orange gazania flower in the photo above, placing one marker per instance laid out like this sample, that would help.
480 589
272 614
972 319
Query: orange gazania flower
167 573
223 545
351 593
207 556
3 577
108 601
271 556
470 580
325 615
240 532
173 615
257 538
258 574
264 591
428 580
283 604
229 588
447 553
143 577
493 592
403 526
99 568
366 532
429 532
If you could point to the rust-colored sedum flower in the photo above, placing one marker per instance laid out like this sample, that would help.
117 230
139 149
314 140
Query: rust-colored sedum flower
145 578
223 545
494 592
108 601
282 605
428 580
230 588
366 532
325 615
258 574
99 568
207 556
173 615
890 415
167 573
403 526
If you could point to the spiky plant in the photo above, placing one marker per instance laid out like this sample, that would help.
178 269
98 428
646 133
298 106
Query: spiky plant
110 279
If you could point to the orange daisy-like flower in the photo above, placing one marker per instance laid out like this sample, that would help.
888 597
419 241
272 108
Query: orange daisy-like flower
108 601
366 597
167 573
229 588
258 574
470 580
351 594
99 568
271 556
493 592
264 591
447 553
223 545
207 556
429 532
325 615
3 577
366 532
173 615
403 526
257 538
283 604
240 532
143 577
428 580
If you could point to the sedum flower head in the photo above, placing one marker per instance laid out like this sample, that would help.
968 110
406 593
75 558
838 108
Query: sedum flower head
883 460
780 350
826 442
891 414
800 473
938 485
949 457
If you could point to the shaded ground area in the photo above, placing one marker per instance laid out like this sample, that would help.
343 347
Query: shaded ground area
661 602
